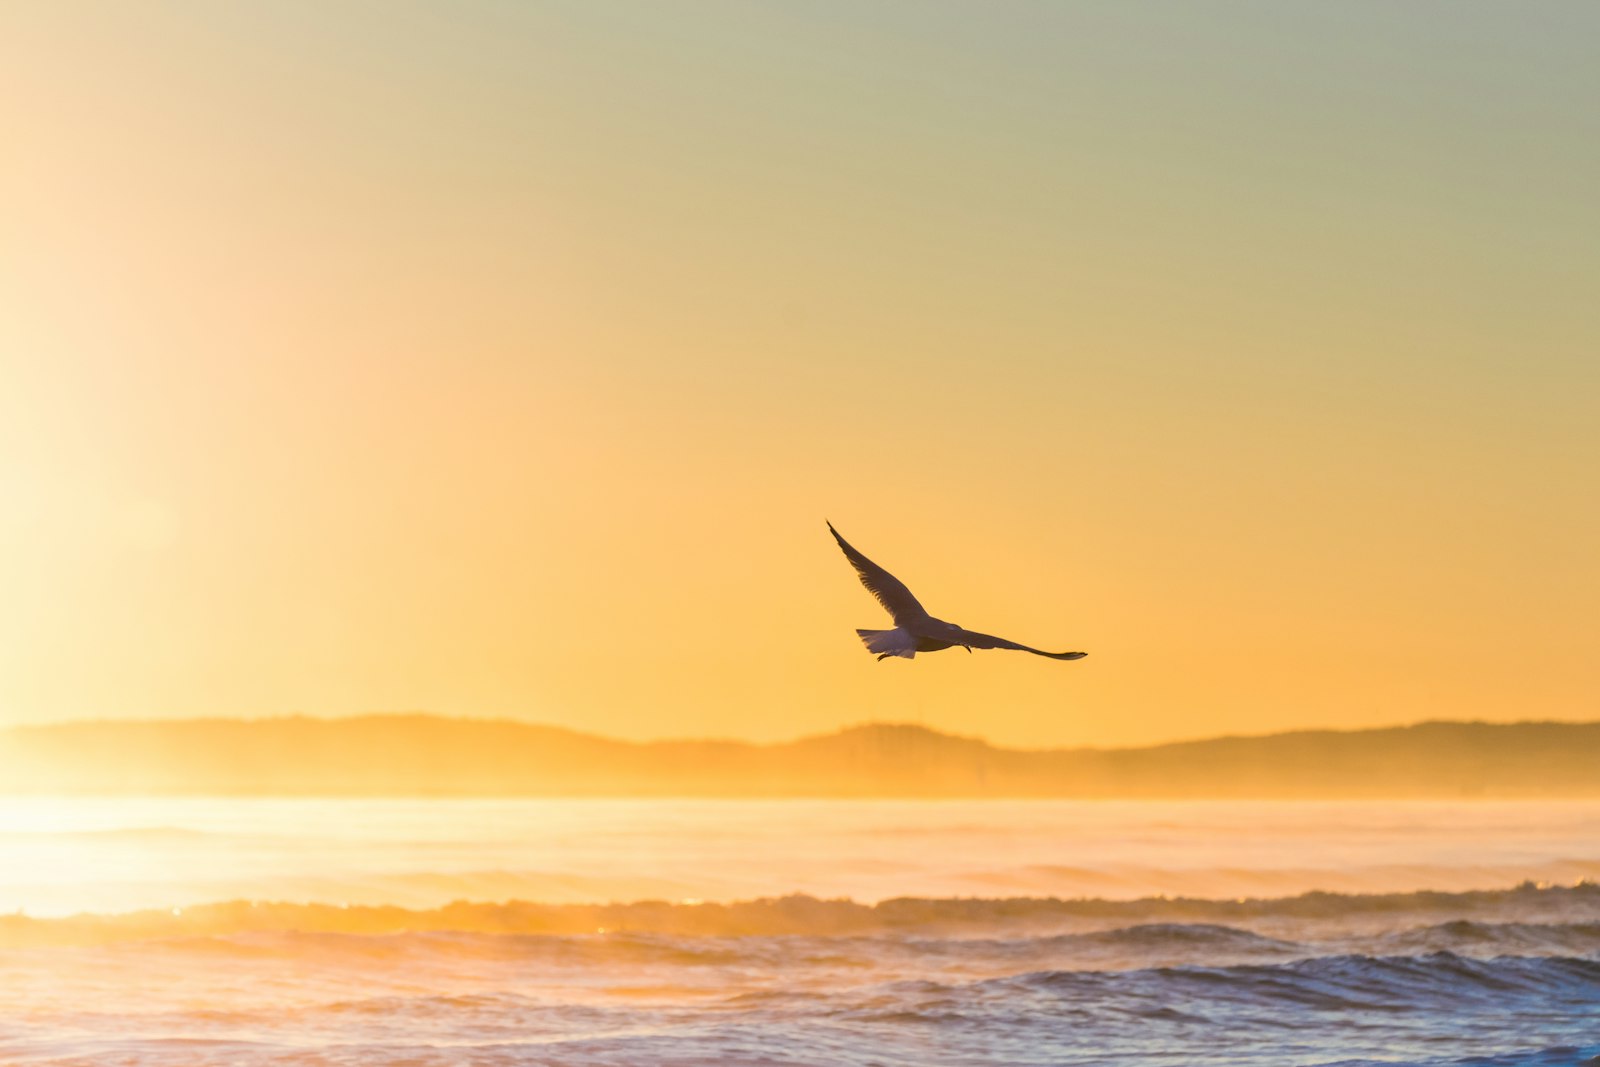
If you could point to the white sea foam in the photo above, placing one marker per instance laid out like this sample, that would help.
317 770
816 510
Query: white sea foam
978 933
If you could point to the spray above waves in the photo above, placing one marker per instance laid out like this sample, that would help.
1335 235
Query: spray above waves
1408 978
968 934
1518 915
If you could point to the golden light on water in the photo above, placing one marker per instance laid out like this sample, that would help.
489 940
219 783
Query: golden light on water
503 362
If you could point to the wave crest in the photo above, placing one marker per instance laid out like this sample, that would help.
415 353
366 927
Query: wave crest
1446 920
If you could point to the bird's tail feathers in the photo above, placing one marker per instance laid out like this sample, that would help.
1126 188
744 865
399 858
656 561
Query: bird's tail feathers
889 643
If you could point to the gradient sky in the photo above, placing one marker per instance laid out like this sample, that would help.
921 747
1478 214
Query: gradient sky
505 359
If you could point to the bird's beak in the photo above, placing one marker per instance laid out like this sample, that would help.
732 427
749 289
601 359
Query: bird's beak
968 648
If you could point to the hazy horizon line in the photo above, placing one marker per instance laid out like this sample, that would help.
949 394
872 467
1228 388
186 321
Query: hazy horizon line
511 720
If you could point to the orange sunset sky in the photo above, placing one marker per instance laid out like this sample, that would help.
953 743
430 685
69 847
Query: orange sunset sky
505 359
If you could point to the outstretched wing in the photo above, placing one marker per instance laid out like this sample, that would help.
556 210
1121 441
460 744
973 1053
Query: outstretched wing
890 591
976 640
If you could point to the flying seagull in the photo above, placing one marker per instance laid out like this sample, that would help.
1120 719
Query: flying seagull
914 629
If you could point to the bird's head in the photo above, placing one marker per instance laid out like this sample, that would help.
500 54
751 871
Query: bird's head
955 627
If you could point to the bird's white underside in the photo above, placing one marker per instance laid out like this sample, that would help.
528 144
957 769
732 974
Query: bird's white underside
896 642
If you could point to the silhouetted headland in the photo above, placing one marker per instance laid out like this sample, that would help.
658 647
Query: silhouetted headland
424 755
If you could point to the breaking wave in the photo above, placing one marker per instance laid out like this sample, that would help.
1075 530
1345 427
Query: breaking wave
1502 978
1528 916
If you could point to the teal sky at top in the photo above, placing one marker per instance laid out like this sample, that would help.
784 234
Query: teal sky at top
1263 334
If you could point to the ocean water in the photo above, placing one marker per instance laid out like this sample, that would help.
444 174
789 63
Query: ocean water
198 931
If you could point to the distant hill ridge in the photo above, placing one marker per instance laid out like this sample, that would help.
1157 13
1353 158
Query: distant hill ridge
427 755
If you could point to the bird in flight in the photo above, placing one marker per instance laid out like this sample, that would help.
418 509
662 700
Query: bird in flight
914 629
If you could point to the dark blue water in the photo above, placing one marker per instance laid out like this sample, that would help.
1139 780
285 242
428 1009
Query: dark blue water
1490 979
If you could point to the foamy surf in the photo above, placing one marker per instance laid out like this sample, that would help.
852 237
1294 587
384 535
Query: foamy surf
1317 978
1491 971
